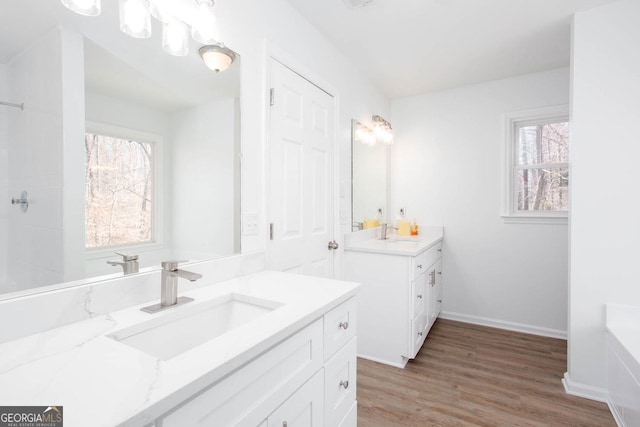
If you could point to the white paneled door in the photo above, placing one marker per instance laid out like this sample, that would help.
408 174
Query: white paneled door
301 169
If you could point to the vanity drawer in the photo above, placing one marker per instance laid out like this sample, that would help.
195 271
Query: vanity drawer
247 396
425 259
340 383
339 327
418 334
418 295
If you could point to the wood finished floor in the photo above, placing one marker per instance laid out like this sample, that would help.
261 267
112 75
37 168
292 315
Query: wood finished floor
468 375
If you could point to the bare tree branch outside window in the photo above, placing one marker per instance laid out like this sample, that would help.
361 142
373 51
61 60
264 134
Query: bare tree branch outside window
118 195
542 172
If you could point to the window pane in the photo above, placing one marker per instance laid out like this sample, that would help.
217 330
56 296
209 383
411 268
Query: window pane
543 189
544 143
118 202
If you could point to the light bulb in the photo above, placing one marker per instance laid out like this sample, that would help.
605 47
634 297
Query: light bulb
135 18
159 12
83 7
175 38
203 29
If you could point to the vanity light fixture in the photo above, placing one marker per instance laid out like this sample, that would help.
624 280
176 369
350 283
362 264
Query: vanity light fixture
179 18
217 57
203 28
175 38
363 134
382 130
83 7
135 18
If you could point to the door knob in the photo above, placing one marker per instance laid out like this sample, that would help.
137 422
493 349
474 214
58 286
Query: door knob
333 245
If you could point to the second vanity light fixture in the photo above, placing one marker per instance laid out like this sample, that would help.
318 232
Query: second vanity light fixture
380 131
179 18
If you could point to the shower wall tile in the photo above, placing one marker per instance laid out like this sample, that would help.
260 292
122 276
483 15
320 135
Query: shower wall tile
34 163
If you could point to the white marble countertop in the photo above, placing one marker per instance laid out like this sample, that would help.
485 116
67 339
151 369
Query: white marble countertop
623 323
368 241
102 382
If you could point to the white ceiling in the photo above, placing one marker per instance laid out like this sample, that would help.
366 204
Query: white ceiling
408 47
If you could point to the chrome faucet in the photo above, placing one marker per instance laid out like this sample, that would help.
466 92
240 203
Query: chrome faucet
383 230
129 263
169 286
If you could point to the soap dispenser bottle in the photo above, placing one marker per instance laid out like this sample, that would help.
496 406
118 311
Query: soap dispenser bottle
414 228
404 226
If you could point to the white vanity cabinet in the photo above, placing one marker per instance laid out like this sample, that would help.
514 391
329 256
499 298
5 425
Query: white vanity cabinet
308 379
400 298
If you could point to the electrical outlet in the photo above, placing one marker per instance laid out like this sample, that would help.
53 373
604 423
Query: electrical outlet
343 217
250 224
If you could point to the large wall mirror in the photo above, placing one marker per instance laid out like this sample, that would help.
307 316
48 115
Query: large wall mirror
119 147
369 165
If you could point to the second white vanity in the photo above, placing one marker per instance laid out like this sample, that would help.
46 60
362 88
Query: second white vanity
401 291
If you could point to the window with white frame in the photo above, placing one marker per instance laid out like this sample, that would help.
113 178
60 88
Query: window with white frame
119 187
537 166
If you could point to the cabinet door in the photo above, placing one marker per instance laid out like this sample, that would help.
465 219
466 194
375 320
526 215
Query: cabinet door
304 408
418 335
339 327
351 419
340 384
418 296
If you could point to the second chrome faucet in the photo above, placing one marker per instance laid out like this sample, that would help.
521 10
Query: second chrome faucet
169 286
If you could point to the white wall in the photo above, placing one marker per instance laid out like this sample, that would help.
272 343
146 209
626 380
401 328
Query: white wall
446 169
73 155
108 110
245 26
4 177
203 154
605 222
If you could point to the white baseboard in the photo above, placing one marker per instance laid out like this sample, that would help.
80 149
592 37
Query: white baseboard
583 390
385 362
501 324
616 415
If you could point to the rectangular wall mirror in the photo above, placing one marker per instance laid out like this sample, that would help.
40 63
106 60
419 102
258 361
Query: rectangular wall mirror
120 147
369 166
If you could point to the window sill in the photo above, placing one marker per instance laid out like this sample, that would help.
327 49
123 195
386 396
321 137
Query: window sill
550 220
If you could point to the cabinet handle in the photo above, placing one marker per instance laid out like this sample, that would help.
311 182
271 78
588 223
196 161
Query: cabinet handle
344 325
420 296
440 273
419 334
439 250
439 300
344 384
419 265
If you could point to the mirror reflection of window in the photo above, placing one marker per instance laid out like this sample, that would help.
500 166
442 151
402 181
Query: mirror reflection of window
119 191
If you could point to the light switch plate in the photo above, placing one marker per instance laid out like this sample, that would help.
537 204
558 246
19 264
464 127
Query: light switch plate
250 223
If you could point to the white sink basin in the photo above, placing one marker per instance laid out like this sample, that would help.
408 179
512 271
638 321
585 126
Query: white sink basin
191 325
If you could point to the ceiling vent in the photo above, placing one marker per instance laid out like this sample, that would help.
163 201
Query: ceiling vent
354 4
